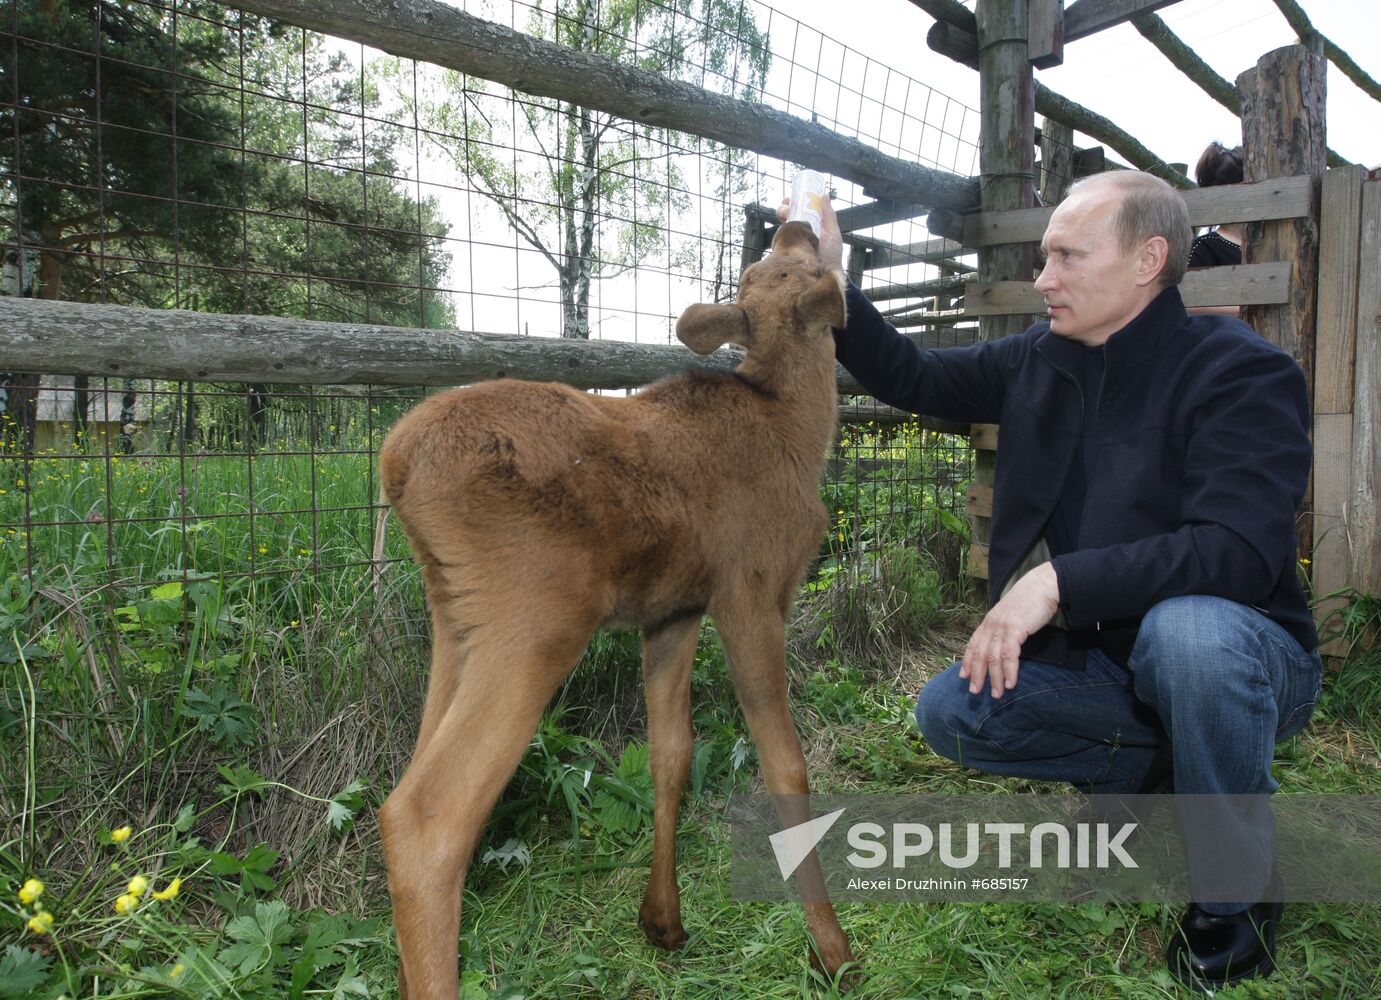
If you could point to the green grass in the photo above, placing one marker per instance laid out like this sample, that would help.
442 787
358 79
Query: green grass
221 676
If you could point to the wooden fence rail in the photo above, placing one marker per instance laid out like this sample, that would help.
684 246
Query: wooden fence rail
65 338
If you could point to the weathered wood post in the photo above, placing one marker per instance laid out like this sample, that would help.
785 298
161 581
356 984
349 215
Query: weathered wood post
1364 515
1007 163
1283 100
1057 160
1336 349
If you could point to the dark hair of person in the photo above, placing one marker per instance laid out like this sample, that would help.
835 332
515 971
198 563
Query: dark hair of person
1219 165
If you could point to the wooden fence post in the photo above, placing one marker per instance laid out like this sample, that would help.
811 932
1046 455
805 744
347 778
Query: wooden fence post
1057 160
1283 101
1007 165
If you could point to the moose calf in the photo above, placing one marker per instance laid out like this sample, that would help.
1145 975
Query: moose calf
540 514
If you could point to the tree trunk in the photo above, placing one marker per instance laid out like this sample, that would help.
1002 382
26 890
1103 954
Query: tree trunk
128 399
21 400
258 408
81 403
585 261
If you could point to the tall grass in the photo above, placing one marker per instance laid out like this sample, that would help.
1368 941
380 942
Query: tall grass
193 647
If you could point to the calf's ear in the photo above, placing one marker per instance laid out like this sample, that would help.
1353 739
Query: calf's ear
823 302
705 327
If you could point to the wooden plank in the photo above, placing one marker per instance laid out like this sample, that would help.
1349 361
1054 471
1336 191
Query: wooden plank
1045 43
979 502
977 563
1279 198
1088 162
1002 298
983 437
1245 284
1340 234
1086 17
1363 524
1332 555
877 213
915 289
925 252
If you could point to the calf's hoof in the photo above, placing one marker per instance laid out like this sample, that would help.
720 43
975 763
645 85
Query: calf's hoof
663 932
829 960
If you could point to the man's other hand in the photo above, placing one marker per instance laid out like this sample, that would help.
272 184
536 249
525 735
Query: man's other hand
994 650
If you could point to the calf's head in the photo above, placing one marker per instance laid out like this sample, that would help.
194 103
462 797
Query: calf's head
786 305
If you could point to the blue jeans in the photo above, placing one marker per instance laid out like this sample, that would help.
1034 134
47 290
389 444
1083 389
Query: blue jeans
1219 682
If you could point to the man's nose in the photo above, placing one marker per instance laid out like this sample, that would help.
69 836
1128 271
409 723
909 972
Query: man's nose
1045 280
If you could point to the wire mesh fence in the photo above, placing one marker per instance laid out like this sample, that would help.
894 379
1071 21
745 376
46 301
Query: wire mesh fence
187 155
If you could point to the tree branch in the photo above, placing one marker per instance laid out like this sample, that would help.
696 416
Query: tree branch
1187 61
1300 22
951 12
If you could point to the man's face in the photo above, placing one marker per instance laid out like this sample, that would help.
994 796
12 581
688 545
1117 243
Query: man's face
1092 288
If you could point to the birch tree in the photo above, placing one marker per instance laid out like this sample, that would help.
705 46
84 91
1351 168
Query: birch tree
588 206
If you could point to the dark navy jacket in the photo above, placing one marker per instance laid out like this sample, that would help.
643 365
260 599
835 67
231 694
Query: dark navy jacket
1202 455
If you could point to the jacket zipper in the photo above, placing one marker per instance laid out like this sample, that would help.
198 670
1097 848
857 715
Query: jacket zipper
1068 461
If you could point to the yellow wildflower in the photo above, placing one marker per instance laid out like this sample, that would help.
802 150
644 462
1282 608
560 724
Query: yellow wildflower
121 835
126 903
137 886
176 970
172 889
41 922
30 891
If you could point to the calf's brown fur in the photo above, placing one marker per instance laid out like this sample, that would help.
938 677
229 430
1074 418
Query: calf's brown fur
540 513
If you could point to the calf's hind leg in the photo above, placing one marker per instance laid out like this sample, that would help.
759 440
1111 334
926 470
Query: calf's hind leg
668 655
754 640
434 817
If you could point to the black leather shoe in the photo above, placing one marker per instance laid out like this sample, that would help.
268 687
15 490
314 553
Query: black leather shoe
1209 951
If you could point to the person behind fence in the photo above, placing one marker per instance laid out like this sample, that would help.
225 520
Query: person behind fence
1219 245
1147 628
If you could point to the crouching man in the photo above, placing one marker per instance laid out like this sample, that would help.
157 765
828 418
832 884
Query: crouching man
1146 621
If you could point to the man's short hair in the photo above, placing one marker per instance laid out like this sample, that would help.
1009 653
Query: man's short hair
1149 207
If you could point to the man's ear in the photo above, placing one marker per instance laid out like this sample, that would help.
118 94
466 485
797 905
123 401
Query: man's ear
1152 259
823 302
704 327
